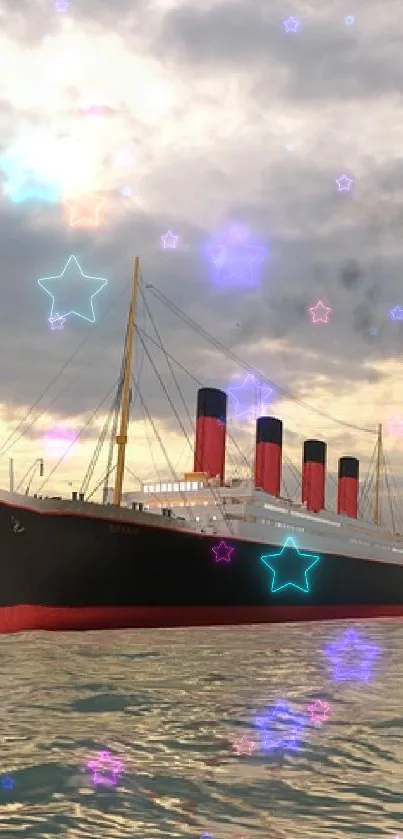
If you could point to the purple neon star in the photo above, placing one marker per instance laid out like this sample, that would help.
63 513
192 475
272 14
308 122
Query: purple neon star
281 727
169 240
344 183
236 259
396 313
246 408
103 764
291 24
351 657
223 552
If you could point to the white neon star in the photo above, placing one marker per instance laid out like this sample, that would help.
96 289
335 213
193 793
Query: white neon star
54 280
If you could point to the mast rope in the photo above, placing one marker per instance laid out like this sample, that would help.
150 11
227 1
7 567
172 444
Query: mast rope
283 391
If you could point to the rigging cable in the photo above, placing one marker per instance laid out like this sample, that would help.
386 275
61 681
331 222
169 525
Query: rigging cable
93 415
211 488
46 390
182 315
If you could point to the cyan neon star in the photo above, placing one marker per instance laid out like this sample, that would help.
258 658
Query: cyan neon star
59 286
288 564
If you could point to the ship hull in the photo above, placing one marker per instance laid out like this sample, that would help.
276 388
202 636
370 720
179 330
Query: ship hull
70 571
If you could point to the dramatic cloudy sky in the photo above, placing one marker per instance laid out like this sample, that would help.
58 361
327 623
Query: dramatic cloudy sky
211 114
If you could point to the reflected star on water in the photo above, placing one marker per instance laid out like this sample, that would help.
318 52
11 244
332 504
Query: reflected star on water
351 657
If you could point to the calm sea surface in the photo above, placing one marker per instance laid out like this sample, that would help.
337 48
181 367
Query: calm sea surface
168 706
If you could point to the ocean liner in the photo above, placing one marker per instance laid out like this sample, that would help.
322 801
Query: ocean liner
201 550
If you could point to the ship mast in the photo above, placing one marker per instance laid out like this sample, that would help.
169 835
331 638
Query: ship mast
121 438
378 475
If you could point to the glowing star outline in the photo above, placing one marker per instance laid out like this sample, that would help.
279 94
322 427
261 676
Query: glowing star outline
104 760
57 322
315 312
223 548
272 739
319 711
291 24
43 280
244 746
169 240
395 426
344 183
314 559
7 782
236 268
81 214
365 654
265 392
396 313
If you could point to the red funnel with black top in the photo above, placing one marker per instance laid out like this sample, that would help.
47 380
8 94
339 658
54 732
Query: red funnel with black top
211 426
314 475
268 454
348 486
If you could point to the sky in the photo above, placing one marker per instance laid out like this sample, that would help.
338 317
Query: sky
201 119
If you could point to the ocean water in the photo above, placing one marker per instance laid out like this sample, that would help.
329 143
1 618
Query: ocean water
170 707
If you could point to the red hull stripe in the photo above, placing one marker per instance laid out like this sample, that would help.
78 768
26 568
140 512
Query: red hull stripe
22 618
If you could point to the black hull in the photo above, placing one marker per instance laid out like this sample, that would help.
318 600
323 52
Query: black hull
75 571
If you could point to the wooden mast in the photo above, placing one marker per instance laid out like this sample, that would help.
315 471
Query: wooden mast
378 475
121 438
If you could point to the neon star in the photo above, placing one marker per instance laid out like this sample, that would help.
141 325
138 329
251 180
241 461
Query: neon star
351 657
85 211
7 782
60 284
319 711
320 313
236 258
57 322
291 24
169 240
246 408
223 552
106 768
244 746
396 313
288 564
281 727
344 183
395 427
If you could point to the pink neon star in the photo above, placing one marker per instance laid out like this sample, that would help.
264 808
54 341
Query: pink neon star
395 426
103 763
244 746
223 549
319 711
344 183
169 240
320 313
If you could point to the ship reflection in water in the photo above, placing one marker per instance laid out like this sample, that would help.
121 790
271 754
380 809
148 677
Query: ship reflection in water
157 713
